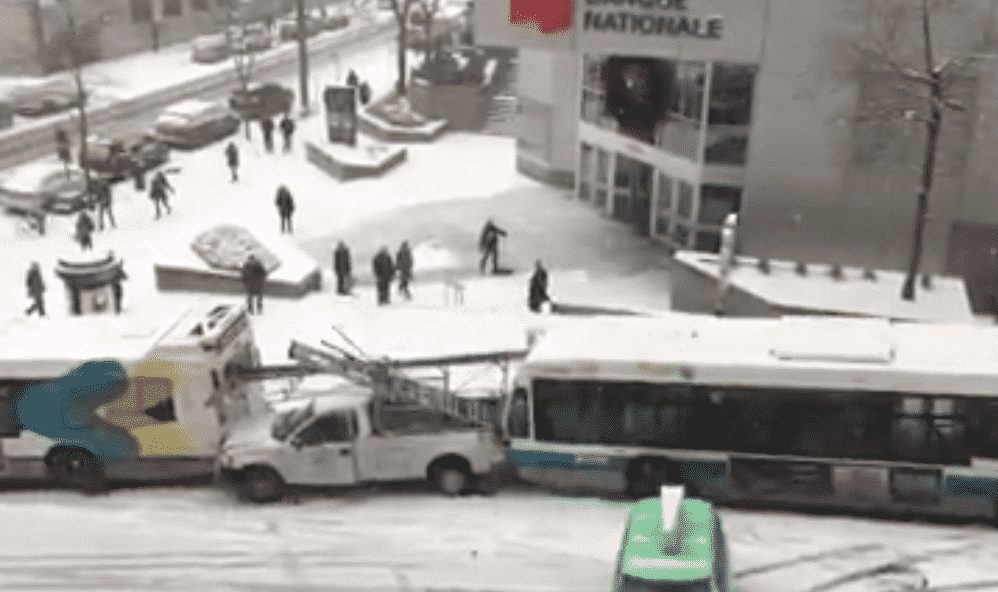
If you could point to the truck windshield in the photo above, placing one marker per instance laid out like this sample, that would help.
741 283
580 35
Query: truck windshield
630 584
287 422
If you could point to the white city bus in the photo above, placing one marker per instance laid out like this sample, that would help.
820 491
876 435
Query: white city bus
837 413
87 399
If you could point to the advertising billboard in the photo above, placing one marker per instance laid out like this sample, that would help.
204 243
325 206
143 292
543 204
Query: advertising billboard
341 114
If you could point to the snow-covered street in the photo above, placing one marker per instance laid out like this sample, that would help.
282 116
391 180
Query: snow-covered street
407 539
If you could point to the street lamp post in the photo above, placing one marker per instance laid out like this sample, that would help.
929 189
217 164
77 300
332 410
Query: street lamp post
302 56
81 95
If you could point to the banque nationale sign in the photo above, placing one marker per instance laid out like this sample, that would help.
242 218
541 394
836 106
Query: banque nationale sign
668 18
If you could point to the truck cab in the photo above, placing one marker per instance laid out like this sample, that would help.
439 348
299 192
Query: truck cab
331 432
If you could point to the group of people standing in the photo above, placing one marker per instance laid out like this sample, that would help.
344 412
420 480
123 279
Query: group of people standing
101 200
287 128
385 268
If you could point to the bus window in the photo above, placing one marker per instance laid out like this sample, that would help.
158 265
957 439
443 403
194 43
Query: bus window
629 584
927 429
519 425
9 425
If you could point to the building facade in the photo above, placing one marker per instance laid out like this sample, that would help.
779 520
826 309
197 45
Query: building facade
35 31
799 115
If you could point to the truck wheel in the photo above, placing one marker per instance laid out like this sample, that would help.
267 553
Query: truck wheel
450 480
262 485
76 469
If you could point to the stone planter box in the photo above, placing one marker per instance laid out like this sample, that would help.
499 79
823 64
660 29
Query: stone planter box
354 162
385 131
465 106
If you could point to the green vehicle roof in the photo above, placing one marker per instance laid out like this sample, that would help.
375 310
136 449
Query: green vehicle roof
689 556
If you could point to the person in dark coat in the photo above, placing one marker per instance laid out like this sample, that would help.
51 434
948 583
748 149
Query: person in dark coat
488 243
103 199
287 130
158 192
117 290
352 78
36 289
254 275
267 126
85 231
365 93
285 208
384 273
341 267
138 171
403 263
538 288
232 160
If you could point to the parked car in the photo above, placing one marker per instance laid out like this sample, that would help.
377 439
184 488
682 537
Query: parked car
261 100
287 28
209 49
334 433
335 20
36 98
252 37
117 157
44 188
193 123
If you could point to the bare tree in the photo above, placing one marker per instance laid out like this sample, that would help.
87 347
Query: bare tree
74 60
923 90
429 9
402 9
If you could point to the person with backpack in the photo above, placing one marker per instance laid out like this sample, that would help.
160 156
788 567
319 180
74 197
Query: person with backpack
285 208
36 289
403 264
158 192
267 126
384 273
287 130
488 243
342 268
232 160
85 231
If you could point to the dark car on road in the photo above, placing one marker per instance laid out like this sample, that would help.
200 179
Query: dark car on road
44 188
261 100
116 158
287 28
194 123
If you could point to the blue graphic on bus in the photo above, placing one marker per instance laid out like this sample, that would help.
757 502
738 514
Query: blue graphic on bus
65 409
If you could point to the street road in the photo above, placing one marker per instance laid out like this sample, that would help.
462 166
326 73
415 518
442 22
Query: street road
406 538
326 66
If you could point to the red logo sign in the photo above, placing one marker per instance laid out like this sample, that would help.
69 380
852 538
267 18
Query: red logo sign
550 16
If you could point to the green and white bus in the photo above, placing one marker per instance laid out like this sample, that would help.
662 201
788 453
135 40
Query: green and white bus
859 414
673 544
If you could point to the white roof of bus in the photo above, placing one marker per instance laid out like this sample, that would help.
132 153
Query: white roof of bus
43 348
826 352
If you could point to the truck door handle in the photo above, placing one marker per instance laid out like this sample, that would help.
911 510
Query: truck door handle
345 452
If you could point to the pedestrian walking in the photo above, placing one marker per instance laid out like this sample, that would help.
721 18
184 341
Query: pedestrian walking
159 191
103 198
488 243
342 268
117 291
403 264
138 171
384 273
352 78
85 231
365 93
285 208
62 149
254 276
288 131
267 126
538 293
36 290
232 160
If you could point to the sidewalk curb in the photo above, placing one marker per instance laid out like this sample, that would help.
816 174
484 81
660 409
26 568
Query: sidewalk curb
30 142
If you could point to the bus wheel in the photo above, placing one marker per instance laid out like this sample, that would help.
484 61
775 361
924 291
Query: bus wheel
262 485
76 469
646 476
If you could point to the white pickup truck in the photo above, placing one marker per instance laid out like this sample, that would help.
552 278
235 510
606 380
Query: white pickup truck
335 434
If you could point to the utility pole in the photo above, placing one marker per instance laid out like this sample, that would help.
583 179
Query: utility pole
302 56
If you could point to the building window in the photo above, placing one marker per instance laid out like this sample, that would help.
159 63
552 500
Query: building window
716 202
141 11
685 202
730 113
663 213
686 98
585 172
173 8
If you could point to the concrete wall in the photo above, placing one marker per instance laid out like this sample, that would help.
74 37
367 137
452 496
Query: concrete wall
547 130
